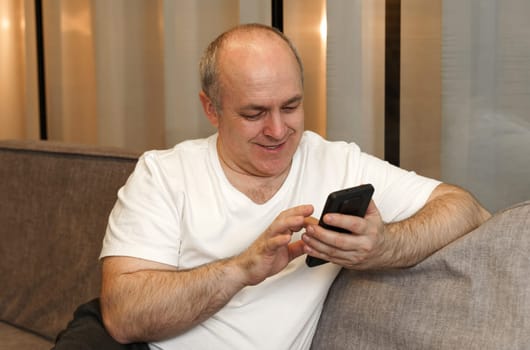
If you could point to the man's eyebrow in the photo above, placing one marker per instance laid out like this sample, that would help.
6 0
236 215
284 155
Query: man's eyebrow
253 107
294 99
256 107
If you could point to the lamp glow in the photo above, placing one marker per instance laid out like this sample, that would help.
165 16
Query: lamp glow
5 24
323 28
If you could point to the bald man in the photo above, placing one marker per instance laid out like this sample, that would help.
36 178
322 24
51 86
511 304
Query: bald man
205 246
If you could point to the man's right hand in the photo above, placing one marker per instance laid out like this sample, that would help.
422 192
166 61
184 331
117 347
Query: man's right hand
273 250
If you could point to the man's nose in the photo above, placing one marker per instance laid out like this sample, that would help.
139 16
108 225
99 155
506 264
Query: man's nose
274 125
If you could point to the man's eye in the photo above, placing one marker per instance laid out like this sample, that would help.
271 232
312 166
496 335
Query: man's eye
252 116
288 109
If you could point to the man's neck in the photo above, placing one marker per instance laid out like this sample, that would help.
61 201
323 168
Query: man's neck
258 189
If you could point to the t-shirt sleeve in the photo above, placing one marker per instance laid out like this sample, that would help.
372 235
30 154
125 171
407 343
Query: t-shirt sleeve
144 222
399 193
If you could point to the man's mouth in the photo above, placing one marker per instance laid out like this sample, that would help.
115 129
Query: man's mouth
273 147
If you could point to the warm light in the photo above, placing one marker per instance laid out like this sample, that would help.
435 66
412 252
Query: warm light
4 23
323 28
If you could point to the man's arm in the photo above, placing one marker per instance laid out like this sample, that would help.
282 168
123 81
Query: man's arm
449 213
146 301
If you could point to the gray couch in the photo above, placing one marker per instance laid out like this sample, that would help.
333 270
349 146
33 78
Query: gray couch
54 203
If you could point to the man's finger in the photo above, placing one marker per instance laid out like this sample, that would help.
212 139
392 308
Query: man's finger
296 249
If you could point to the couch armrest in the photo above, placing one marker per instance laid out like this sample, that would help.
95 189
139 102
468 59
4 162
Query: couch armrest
472 294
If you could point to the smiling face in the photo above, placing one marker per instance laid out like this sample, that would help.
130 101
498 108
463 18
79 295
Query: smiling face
261 116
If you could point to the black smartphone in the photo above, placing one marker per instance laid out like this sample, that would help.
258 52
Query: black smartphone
350 201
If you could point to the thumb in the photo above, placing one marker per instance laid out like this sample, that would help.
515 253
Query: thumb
372 209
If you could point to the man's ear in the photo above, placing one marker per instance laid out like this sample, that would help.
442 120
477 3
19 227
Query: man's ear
209 109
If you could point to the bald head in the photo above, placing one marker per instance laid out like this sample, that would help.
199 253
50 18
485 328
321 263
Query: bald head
249 39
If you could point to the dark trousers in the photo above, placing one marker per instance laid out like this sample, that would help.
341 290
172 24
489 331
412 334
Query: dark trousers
86 332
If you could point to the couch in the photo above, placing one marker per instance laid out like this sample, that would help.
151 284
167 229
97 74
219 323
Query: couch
54 203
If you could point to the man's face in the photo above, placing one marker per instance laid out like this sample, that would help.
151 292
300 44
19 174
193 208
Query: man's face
262 117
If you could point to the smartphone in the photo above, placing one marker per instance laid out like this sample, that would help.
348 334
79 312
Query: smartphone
350 201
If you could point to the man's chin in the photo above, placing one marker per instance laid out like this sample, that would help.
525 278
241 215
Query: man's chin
272 170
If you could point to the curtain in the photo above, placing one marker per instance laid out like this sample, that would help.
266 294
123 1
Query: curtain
355 73
18 93
486 99
70 69
124 72
305 24
421 75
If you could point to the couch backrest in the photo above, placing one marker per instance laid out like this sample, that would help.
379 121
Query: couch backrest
54 204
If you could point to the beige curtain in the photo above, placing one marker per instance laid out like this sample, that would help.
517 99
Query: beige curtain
355 73
421 87
486 105
18 93
305 23
356 78
129 72
189 27
70 71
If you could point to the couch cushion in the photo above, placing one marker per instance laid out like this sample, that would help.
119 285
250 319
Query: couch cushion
473 294
15 338
54 204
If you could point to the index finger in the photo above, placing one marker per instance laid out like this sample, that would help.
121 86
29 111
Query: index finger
291 219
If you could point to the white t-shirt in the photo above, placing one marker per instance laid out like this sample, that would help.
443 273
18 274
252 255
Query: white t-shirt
178 208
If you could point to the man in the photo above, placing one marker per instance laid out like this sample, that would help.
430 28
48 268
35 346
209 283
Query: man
205 246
